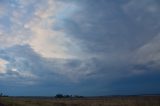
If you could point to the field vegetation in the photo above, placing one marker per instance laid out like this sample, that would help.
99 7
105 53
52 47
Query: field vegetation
98 101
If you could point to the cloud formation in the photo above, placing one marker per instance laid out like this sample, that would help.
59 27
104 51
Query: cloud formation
47 42
3 66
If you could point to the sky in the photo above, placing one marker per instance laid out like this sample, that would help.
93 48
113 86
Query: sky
79 47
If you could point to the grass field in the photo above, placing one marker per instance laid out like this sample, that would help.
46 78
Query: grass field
107 101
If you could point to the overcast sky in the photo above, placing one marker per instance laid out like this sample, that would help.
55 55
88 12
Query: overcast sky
83 47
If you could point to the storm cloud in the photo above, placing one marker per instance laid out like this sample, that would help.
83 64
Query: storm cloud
80 47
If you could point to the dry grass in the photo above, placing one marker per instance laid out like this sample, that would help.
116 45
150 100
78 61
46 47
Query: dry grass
108 101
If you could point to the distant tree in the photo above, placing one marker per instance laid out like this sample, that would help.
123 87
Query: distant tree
59 96
2 95
77 96
68 96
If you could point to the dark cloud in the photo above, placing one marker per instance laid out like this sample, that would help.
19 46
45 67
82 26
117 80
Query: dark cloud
115 31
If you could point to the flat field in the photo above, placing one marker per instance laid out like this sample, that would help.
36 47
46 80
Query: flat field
101 101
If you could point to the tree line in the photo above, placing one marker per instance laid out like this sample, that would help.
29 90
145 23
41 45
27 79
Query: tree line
56 96
2 95
68 96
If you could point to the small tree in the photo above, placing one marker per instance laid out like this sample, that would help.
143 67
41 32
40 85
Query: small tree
59 96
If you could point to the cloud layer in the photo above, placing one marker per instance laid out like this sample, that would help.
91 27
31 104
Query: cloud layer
78 44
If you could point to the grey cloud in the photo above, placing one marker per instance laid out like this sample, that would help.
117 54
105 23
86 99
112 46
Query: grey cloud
121 39
114 31
108 30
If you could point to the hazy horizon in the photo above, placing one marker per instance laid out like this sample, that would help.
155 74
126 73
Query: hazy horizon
79 47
